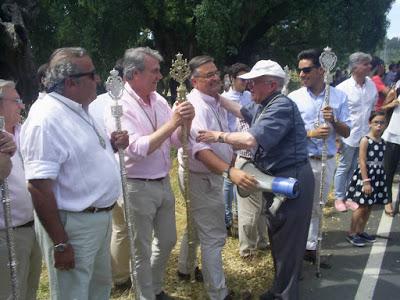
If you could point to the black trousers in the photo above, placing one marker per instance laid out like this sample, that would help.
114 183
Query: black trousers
288 232
390 162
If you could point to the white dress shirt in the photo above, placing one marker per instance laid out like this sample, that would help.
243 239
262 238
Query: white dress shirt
97 109
310 106
58 142
20 199
361 101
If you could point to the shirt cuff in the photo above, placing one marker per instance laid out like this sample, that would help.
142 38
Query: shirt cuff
39 169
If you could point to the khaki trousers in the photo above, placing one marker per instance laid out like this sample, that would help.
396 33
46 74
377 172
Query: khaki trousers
120 252
29 264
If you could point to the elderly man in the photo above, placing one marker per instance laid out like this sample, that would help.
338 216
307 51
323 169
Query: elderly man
278 135
27 250
362 96
73 179
153 127
316 116
207 163
7 150
251 217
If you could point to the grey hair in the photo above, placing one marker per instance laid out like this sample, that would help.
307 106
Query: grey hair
134 60
4 84
198 61
357 58
61 66
279 81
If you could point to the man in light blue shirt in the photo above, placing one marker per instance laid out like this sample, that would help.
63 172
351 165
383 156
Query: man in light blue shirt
322 122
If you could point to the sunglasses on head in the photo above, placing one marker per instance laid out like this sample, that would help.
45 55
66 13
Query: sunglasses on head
92 74
306 70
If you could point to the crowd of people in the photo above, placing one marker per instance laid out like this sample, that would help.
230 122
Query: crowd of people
64 181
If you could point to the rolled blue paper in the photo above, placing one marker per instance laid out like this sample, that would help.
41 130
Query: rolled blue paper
288 187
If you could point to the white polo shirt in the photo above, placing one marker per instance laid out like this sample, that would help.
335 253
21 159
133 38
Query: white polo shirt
58 142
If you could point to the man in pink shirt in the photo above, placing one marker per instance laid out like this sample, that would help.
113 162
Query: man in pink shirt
207 163
152 127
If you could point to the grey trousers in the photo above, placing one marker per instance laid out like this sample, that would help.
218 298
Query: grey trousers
153 213
251 219
208 209
288 232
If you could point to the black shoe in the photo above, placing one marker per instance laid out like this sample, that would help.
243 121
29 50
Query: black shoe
230 295
267 296
311 256
126 285
198 275
163 296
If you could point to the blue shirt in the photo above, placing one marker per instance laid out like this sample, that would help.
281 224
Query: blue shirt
277 126
243 98
310 107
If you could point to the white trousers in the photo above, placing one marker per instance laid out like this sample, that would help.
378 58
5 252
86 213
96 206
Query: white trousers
208 213
312 239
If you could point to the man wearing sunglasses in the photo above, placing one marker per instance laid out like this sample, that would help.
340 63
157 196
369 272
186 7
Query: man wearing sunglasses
73 179
322 123
278 137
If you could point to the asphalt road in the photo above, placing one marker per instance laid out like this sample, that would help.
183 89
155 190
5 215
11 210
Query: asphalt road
370 272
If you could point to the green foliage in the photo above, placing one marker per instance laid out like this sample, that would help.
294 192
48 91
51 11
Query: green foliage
229 30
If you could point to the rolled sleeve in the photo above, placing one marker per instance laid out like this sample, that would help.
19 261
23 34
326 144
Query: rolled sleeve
272 125
138 146
40 169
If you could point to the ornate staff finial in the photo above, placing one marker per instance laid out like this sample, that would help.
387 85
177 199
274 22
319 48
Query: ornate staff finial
328 61
180 72
285 89
114 85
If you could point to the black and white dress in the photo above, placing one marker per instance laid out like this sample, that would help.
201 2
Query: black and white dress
376 173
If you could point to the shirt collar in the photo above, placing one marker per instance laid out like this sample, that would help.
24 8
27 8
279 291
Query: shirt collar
269 98
207 98
313 96
70 103
133 94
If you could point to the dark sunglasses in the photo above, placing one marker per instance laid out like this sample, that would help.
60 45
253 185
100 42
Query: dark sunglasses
92 74
306 70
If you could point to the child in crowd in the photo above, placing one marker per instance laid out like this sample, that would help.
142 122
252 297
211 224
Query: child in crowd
368 184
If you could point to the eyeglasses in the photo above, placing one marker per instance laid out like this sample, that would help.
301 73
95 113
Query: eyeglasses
306 70
92 74
378 122
15 100
210 75
258 81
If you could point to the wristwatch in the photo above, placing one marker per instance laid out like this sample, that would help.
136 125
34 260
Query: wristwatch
221 138
60 247
226 174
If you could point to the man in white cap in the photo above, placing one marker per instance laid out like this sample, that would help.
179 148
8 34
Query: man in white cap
278 137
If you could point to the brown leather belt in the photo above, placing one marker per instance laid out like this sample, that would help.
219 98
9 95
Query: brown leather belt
93 210
148 179
244 157
318 157
29 224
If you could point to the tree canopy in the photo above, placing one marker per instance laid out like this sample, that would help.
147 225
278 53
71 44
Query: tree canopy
228 30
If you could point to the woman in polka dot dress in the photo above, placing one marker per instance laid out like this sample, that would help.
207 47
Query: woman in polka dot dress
368 184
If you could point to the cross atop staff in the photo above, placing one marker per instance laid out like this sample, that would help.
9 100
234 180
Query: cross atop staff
180 72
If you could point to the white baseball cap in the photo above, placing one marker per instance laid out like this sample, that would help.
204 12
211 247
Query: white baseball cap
265 67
